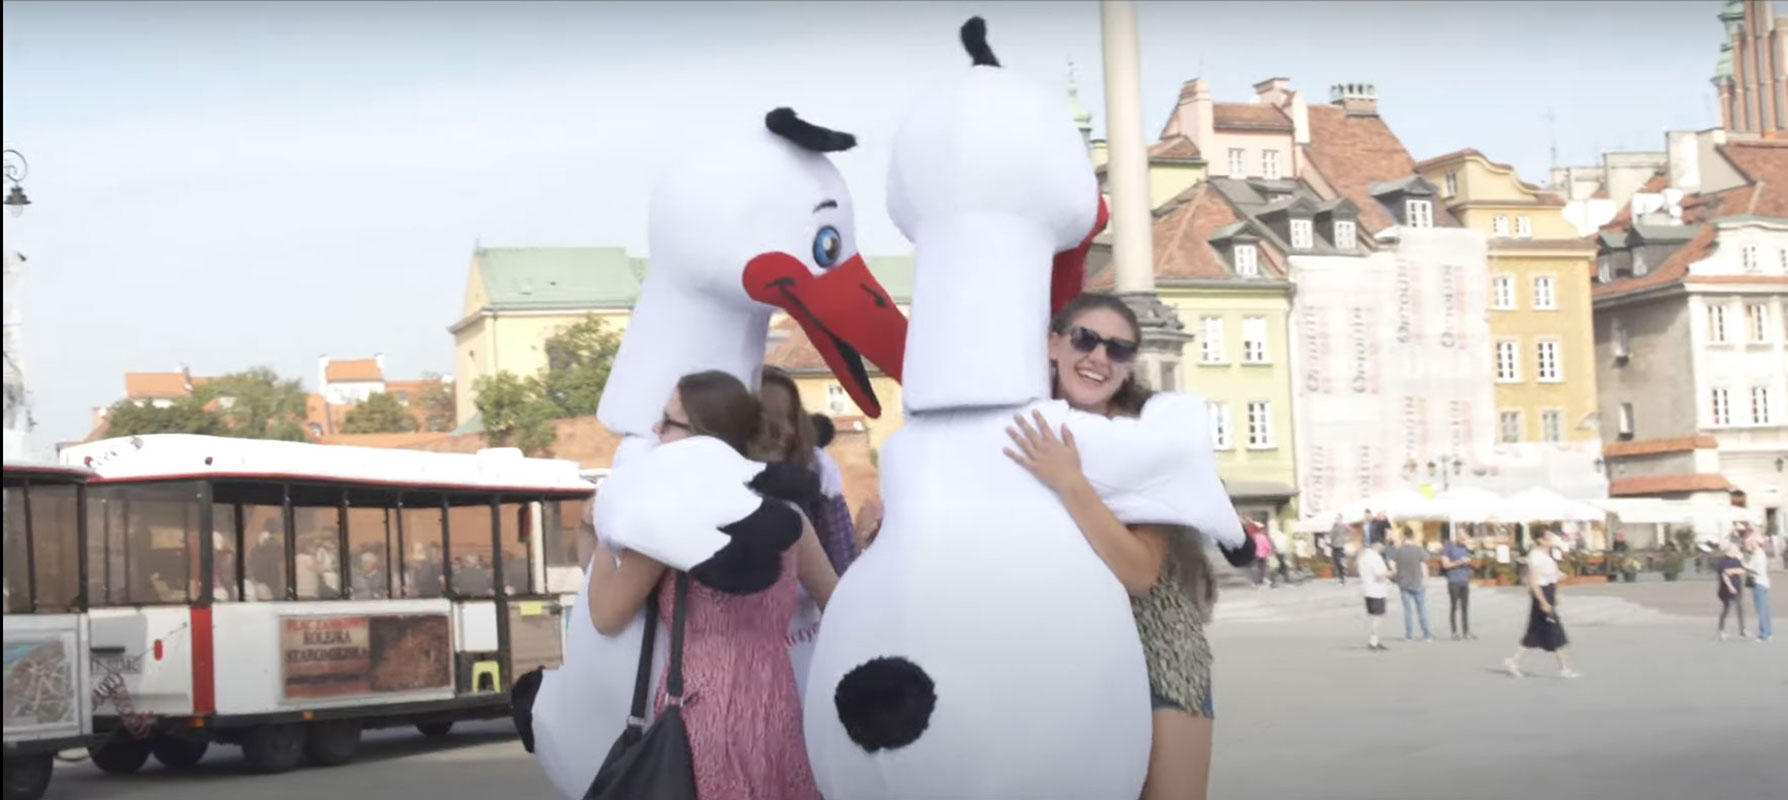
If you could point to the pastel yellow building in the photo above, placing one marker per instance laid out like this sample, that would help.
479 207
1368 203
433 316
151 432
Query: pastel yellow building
1539 299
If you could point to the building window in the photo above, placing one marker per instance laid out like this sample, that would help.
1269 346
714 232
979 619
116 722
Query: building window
1722 407
1254 340
1219 425
1782 260
1524 226
1170 377
1626 420
1418 213
1509 431
1639 265
1544 296
1210 348
1508 361
1605 267
1247 261
1452 182
1552 426
1748 257
1302 234
1269 164
1757 319
1499 225
1502 292
1238 162
1260 425
1346 235
1716 324
836 400
1546 365
1760 405
1621 344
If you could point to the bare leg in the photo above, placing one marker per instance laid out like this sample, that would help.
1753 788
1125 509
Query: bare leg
1179 757
1564 661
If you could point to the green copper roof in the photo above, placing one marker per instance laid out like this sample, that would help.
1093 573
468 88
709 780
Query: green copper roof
522 278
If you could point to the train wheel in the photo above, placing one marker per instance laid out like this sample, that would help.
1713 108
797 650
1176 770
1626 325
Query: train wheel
435 728
28 776
273 748
333 742
121 754
178 752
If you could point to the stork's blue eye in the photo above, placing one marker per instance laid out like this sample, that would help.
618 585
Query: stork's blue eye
828 245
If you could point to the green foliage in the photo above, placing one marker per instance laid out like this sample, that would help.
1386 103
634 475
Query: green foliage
516 412
379 413
256 404
439 413
186 415
519 412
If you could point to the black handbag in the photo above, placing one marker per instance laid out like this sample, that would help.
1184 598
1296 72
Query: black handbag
652 763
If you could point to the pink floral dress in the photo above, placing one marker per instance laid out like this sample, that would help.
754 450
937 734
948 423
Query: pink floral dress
739 699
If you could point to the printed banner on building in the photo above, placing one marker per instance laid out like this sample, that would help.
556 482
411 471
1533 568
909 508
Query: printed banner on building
40 681
343 656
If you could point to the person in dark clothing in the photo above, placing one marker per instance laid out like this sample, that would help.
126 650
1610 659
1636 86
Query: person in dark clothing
1455 561
1338 548
1730 572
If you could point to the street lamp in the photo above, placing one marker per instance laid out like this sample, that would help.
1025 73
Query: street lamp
1439 469
16 167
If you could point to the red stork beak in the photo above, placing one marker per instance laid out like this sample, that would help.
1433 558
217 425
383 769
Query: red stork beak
1068 278
844 311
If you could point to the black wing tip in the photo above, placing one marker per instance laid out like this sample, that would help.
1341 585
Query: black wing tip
784 122
974 40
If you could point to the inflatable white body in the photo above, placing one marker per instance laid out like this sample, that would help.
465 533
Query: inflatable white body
981 649
746 224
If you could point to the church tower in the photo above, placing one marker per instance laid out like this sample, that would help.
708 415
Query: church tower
1750 73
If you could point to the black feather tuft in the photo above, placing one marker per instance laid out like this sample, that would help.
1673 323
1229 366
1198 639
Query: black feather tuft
806 135
974 40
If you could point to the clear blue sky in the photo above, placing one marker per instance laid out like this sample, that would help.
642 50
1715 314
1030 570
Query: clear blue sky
232 184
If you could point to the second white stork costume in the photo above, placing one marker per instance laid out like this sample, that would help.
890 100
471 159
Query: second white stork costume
751 222
980 648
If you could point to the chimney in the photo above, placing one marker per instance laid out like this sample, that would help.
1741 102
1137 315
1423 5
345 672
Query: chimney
1272 91
322 373
1299 111
1194 117
379 359
1357 99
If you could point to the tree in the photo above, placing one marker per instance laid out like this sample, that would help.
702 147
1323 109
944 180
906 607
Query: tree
578 359
185 415
256 404
516 412
379 413
439 414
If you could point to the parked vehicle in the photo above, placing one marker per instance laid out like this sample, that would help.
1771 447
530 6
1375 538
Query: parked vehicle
283 596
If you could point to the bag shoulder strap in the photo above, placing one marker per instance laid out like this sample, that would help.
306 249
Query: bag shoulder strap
674 681
642 683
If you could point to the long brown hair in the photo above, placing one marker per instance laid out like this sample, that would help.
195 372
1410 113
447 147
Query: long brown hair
720 406
797 427
1130 396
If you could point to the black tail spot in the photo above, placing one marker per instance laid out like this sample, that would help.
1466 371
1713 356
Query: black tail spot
521 705
885 703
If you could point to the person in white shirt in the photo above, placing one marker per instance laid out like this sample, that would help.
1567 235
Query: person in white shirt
1375 584
1757 576
1544 631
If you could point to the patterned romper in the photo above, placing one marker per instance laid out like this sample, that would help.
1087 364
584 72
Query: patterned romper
1173 643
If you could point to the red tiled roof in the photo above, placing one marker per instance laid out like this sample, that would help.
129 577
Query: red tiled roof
1669 484
1174 147
1674 268
1353 151
358 369
156 385
791 350
1253 116
1652 447
1181 240
1764 163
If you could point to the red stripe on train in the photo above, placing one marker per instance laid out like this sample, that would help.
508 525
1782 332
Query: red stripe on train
204 674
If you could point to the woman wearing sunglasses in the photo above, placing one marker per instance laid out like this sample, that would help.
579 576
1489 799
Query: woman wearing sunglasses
1092 352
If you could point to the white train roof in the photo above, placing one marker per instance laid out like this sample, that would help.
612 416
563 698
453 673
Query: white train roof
47 469
171 456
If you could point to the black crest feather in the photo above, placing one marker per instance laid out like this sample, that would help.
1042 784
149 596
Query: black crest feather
806 135
974 40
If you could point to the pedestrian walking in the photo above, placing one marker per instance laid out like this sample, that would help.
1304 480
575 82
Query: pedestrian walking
1729 573
1263 552
1375 584
1455 560
1757 576
1544 631
1409 566
1338 548
1281 551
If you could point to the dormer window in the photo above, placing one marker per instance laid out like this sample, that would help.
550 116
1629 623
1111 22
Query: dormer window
1639 265
1418 213
1302 234
1452 182
1247 260
1605 267
1346 235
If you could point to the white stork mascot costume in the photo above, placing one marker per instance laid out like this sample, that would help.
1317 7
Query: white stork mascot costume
747 224
980 649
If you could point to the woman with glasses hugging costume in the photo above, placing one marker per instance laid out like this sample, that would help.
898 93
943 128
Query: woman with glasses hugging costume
1093 344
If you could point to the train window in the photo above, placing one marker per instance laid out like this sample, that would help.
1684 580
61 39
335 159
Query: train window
424 562
149 535
224 561
468 543
317 531
105 548
563 529
517 526
18 576
369 539
264 571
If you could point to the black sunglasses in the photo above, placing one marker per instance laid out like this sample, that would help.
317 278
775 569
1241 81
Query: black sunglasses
667 423
1120 351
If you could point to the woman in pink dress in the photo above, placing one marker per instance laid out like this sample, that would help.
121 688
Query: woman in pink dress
739 700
